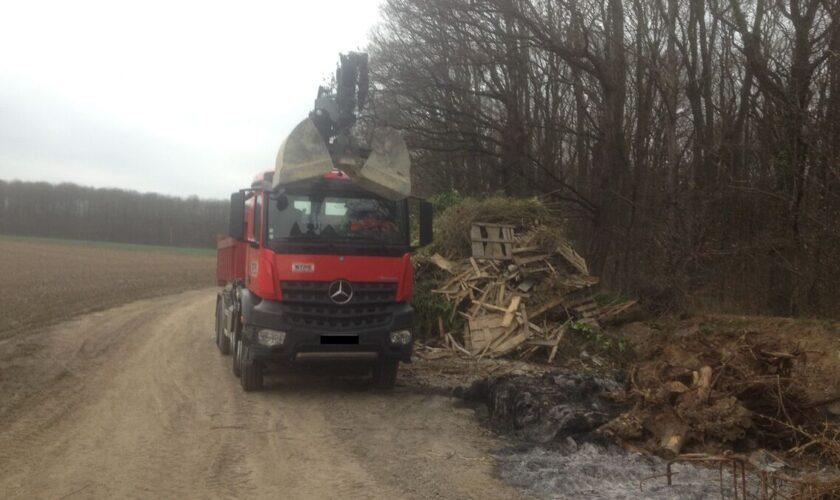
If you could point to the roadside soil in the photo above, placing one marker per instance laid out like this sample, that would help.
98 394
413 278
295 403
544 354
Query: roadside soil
45 282
136 401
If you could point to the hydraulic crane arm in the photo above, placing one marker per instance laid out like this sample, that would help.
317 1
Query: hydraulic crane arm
326 140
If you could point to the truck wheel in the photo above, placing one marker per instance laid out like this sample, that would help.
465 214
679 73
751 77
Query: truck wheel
222 341
251 376
237 357
385 373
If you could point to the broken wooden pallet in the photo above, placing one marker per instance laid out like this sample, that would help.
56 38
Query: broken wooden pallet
492 241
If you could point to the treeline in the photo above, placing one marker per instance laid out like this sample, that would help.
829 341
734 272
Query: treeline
84 213
692 144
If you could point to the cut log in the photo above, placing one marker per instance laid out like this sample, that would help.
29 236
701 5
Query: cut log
703 383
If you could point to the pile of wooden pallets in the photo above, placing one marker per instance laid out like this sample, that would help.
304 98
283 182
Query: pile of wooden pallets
501 294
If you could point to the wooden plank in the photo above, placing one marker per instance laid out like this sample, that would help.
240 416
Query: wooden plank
475 266
524 261
527 353
585 308
476 306
495 224
514 305
442 262
501 338
520 250
492 239
456 279
510 344
579 281
491 307
551 304
484 332
457 345
541 342
478 250
533 326
615 310
573 258
500 297
556 344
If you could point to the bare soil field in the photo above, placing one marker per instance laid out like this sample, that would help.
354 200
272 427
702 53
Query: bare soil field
47 281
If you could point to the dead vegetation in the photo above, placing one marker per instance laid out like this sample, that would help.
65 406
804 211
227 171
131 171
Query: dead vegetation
513 287
757 392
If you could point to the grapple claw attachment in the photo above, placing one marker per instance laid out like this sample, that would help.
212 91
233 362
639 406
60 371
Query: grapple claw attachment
302 156
387 171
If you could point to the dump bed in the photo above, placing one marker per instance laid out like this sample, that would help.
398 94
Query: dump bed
230 259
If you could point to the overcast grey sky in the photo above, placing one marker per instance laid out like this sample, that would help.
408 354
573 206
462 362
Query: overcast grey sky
175 97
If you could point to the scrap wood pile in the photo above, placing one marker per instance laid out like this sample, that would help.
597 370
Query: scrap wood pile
517 291
707 392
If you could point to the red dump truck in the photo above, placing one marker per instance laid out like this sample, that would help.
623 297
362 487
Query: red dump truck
316 266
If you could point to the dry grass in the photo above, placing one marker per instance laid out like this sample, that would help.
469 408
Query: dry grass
49 281
452 228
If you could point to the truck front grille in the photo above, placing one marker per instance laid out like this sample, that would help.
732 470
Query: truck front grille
306 304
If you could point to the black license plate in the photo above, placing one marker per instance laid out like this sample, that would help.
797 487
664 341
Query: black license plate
339 339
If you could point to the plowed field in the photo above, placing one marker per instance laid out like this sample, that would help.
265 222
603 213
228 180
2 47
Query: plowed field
47 281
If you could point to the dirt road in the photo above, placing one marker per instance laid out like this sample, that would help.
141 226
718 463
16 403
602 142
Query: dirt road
137 402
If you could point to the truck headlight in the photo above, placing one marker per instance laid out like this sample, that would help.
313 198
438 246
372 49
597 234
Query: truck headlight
401 337
271 338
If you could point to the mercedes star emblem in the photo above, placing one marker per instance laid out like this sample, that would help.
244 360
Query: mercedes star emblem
340 292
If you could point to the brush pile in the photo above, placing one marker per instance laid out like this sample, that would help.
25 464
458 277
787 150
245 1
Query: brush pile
706 392
512 279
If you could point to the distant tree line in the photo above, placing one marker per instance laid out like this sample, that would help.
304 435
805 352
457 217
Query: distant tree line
84 213
694 145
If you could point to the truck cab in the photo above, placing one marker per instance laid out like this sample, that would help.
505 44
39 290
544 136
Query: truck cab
317 271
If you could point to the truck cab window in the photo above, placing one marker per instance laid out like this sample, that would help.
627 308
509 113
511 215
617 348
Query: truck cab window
351 217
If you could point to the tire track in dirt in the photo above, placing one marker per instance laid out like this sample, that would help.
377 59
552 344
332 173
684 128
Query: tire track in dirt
137 402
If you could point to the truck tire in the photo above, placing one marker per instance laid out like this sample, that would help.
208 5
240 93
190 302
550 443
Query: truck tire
385 373
237 356
251 376
222 341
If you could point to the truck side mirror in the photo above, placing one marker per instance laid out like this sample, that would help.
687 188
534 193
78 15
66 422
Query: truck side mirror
236 229
426 219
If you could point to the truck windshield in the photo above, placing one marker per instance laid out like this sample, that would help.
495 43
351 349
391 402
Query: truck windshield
346 218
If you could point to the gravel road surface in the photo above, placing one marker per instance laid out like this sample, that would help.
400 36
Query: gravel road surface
136 402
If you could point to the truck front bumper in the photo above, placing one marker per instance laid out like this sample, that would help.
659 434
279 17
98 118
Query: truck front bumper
312 345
